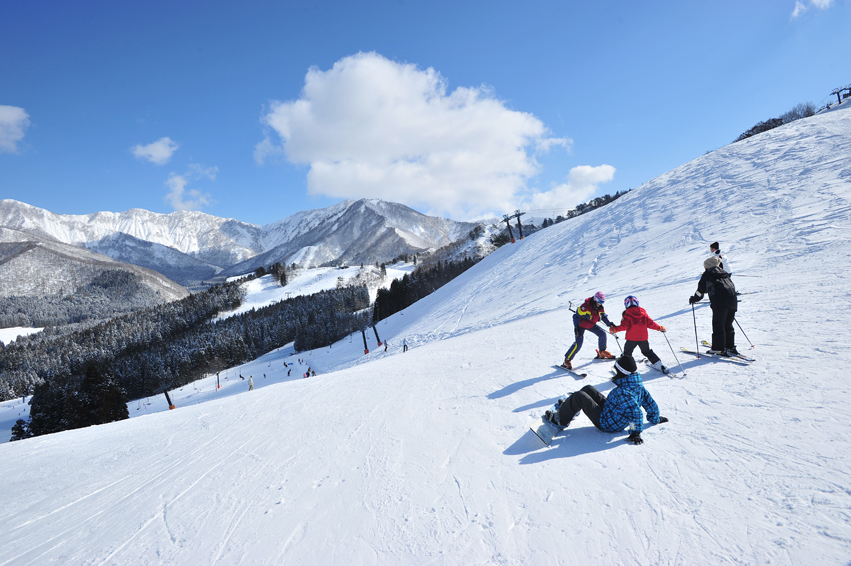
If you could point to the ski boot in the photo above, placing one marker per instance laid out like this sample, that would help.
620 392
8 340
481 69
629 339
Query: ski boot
604 355
567 364
659 367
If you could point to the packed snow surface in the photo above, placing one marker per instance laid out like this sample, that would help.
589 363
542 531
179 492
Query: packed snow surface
426 457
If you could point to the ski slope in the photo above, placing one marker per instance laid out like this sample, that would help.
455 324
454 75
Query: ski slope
425 457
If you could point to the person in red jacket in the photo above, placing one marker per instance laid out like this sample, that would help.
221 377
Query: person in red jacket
636 321
586 318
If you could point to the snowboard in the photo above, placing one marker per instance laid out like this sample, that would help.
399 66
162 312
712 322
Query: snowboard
545 430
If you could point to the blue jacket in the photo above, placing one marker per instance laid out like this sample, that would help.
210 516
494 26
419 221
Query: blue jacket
623 405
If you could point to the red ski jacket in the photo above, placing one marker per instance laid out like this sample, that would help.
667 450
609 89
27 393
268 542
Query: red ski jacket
636 321
590 312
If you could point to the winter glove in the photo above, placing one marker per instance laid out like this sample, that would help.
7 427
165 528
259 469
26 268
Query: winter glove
663 420
635 438
612 330
693 299
662 328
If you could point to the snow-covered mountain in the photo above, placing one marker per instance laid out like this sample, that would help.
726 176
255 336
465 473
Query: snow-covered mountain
425 457
31 266
193 246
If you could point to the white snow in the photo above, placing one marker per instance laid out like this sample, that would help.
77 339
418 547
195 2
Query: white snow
266 290
8 335
426 457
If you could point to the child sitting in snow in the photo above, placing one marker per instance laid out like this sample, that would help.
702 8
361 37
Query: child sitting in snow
636 321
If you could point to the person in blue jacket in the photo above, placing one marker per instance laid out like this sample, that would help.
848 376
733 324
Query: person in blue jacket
620 410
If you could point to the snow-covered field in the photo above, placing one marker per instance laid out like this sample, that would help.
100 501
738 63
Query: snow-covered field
266 290
425 457
8 335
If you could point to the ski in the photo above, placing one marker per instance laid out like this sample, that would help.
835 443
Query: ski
740 356
670 373
740 361
574 373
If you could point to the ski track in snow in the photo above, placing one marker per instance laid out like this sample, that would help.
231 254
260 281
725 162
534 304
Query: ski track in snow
425 457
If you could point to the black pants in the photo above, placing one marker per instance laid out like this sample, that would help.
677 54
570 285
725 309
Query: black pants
644 346
588 400
723 335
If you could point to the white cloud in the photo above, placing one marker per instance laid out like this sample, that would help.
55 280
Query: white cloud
582 183
801 7
158 152
13 122
181 199
371 127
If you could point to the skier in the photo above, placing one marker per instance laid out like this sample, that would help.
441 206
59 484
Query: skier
251 383
585 318
636 321
716 250
404 345
621 409
722 299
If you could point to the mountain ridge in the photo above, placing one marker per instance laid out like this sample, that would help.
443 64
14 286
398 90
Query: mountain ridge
206 246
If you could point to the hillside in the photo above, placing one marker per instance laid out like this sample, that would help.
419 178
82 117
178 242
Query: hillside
425 457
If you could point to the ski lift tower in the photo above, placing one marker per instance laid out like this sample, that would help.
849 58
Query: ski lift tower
507 219
517 215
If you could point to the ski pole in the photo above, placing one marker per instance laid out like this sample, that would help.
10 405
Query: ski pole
665 334
696 346
618 342
743 333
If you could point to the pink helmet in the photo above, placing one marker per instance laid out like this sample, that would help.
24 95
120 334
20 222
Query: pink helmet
600 297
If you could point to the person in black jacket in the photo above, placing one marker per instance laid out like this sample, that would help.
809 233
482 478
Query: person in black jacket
722 298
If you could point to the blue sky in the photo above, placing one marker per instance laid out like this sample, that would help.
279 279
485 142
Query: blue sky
257 110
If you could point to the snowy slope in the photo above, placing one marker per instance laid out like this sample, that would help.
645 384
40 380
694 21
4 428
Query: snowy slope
425 457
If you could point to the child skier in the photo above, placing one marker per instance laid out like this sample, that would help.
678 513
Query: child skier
621 409
636 321
586 318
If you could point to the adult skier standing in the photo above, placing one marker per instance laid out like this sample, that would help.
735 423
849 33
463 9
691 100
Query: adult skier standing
636 321
723 300
585 318
621 409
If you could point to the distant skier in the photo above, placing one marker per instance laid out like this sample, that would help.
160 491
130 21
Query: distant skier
404 345
585 318
386 343
716 250
722 299
621 409
251 383
636 321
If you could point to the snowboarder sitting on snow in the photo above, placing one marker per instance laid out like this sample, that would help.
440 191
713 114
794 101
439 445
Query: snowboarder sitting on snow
586 318
722 299
636 321
621 409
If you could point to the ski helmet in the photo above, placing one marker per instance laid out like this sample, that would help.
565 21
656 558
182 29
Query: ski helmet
600 297
631 301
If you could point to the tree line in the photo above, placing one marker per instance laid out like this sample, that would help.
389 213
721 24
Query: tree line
164 347
412 287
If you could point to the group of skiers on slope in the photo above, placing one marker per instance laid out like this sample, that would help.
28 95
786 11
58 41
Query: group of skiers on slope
622 408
